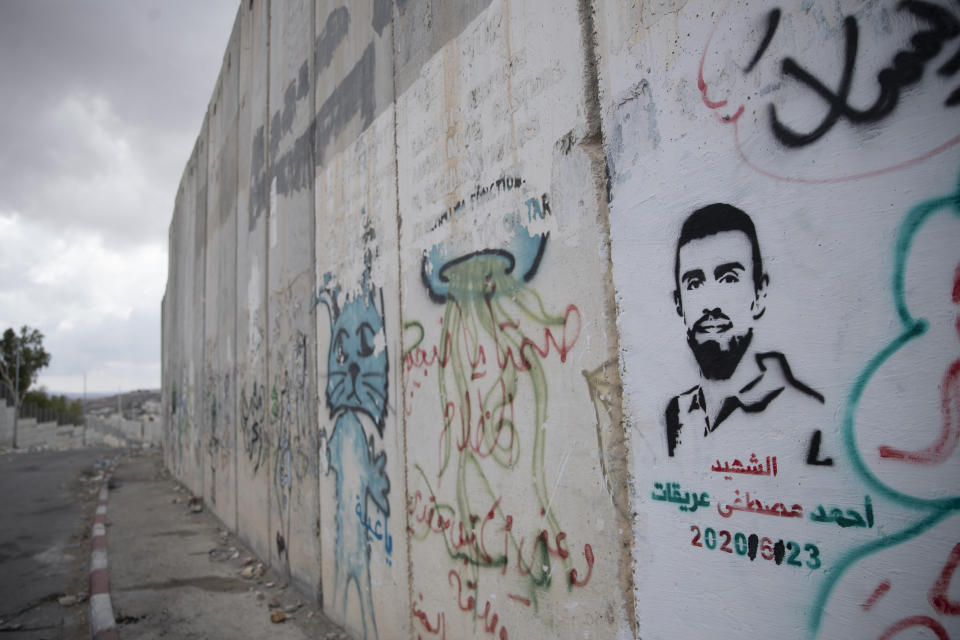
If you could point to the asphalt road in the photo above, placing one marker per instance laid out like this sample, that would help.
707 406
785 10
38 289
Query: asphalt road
48 499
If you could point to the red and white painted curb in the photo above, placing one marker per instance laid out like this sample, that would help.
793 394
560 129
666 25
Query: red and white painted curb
102 624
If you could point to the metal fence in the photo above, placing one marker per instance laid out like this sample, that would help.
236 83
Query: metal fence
41 414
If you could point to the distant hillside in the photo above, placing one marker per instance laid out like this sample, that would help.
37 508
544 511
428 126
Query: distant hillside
134 403
78 395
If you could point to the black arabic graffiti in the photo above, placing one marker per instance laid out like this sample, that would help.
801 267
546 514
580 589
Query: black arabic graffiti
252 418
773 19
907 68
813 453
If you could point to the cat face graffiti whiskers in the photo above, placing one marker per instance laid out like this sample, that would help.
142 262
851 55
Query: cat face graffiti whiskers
357 359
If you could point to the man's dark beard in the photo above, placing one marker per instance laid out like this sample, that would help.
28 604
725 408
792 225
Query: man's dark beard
716 363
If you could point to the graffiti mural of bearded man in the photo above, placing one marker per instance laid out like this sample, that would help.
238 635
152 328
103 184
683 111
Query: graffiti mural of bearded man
720 293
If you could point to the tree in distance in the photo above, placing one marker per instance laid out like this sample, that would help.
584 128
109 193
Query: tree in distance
33 357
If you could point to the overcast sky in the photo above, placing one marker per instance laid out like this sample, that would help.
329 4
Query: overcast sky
100 105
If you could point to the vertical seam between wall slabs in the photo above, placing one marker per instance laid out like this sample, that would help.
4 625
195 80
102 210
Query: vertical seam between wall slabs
591 79
284 322
508 52
266 266
200 396
236 271
312 75
403 391
593 145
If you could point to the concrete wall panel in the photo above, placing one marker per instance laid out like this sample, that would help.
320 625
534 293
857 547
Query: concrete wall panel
358 352
506 321
6 425
779 488
361 444
171 335
174 331
219 402
187 361
291 366
166 335
253 486
195 306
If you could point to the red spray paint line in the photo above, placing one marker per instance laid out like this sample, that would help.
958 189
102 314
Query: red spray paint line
878 593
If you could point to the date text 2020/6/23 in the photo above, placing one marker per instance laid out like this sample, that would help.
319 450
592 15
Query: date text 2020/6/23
748 545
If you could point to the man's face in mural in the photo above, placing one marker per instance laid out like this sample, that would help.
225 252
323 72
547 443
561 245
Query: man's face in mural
718 299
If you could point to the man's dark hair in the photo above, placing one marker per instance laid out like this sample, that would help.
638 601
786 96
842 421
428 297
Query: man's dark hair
713 219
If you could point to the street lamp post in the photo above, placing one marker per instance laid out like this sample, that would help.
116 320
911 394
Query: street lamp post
84 412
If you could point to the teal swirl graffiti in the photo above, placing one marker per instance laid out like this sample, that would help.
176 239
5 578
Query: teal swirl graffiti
934 510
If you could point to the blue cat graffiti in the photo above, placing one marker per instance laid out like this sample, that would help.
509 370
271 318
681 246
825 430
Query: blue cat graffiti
356 394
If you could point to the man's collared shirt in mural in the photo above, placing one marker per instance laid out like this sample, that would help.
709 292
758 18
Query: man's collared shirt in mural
688 421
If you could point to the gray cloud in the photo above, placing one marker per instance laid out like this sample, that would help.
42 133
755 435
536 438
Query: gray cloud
115 339
101 104
100 93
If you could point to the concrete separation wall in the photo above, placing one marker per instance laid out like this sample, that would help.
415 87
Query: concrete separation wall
607 319
112 432
6 425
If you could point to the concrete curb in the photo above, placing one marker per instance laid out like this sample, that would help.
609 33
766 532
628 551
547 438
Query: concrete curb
102 624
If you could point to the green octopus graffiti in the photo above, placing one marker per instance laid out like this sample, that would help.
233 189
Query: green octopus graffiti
488 305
